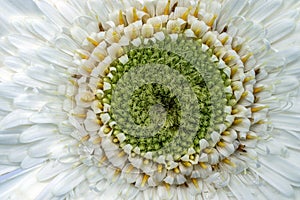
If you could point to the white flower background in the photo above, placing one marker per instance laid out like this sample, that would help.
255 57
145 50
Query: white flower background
54 145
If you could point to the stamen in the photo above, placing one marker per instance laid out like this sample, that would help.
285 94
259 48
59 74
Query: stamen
85 138
251 137
212 21
79 115
236 87
234 111
145 9
73 82
135 16
187 164
234 70
159 168
258 89
176 170
249 78
197 31
121 154
192 157
107 130
115 140
166 11
88 97
261 122
229 58
130 168
87 69
238 47
228 162
186 13
195 182
209 41
100 86
146 162
121 18
226 133
237 121
246 58
221 144
167 186
197 9
225 39
208 150
257 109
115 36
245 94
116 174
82 55
100 106
100 56
103 159
203 165
92 41
97 140
145 179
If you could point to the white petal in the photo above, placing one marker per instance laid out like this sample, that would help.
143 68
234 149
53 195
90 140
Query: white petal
16 118
66 182
275 180
263 9
230 9
280 29
51 169
239 190
51 13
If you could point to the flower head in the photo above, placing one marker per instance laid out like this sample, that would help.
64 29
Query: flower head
149 99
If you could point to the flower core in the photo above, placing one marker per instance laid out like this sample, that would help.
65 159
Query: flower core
156 104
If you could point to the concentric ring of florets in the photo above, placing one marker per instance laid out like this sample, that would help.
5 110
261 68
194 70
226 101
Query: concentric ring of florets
207 155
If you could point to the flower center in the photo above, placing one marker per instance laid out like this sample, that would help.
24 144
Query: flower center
159 116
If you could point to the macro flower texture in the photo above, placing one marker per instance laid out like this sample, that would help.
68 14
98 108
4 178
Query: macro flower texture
149 99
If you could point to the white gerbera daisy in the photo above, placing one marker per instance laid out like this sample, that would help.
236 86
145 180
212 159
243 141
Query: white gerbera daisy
149 99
